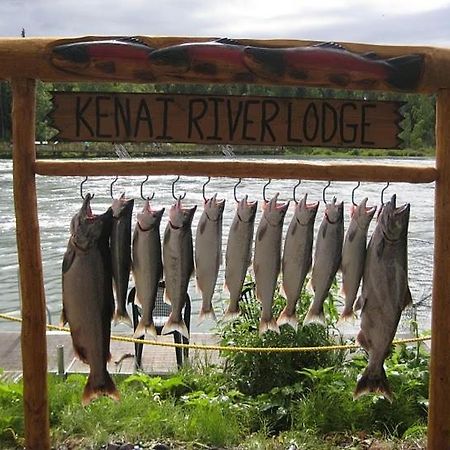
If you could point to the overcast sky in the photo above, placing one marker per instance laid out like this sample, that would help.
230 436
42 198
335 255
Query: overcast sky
372 21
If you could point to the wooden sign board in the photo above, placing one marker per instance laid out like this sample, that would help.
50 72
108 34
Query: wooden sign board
239 120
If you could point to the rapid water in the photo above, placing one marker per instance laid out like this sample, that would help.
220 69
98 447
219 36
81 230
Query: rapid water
59 199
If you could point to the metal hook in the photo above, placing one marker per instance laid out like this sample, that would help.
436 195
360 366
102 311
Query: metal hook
203 189
142 193
81 187
264 189
353 192
323 192
383 190
111 186
295 188
234 189
173 190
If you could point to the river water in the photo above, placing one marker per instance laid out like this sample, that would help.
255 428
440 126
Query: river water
59 199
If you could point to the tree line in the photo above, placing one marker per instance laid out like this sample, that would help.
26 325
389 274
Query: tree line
418 110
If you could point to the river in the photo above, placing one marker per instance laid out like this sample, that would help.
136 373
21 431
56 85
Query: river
59 199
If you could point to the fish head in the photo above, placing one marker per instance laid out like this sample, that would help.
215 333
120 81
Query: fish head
304 211
180 217
334 212
149 217
363 214
172 59
247 210
121 206
394 221
214 208
73 55
275 211
86 227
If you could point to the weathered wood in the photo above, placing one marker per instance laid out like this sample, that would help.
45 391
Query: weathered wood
31 58
34 350
216 119
236 169
439 409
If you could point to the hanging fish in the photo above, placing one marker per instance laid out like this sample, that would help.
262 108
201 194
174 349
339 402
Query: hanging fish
297 257
122 58
327 63
208 253
267 260
327 258
354 254
88 302
147 265
385 293
239 253
121 254
221 59
178 262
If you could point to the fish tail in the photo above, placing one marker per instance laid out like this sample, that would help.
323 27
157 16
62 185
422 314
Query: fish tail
406 71
286 318
372 381
92 391
206 314
315 315
143 328
268 324
175 325
347 313
122 317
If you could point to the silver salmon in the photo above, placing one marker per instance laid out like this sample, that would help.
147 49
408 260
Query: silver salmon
267 260
239 253
327 258
147 265
121 254
354 254
208 253
297 257
385 293
88 302
178 262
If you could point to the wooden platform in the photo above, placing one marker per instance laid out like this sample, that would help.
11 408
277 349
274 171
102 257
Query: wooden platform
155 360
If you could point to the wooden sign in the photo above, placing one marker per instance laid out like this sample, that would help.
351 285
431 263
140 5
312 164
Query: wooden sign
210 119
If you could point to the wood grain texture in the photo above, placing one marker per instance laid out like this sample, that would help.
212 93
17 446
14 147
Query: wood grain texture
34 349
439 407
31 58
239 169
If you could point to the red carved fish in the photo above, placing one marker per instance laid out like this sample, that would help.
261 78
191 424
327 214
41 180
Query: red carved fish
331 63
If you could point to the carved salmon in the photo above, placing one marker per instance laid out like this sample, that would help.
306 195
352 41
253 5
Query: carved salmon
331 63
123 58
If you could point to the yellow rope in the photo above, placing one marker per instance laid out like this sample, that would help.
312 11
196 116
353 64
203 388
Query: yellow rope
232 348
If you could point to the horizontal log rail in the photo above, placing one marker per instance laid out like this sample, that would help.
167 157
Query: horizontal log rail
31 58
240 169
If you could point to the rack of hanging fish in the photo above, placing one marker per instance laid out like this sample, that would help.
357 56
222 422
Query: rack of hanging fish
102 252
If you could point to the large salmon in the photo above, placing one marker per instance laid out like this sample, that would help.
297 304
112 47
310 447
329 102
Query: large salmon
147 265
88 303
239 253
208 253
297 257
385 293
267 259
178 261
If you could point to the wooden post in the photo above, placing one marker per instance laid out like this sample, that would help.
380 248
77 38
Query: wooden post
34 348
439 410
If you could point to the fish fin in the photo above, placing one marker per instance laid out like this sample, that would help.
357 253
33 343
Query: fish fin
407 71
347 314
266 325
167 300
373 382
228 41
134 40
310 286
287 319
408 298
351 233
204 314
137 300
92 392
362 340
359 305
122 317
370 55
79 352
261 231
231 314
331 45
144 328
314 316
69 256
172 325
